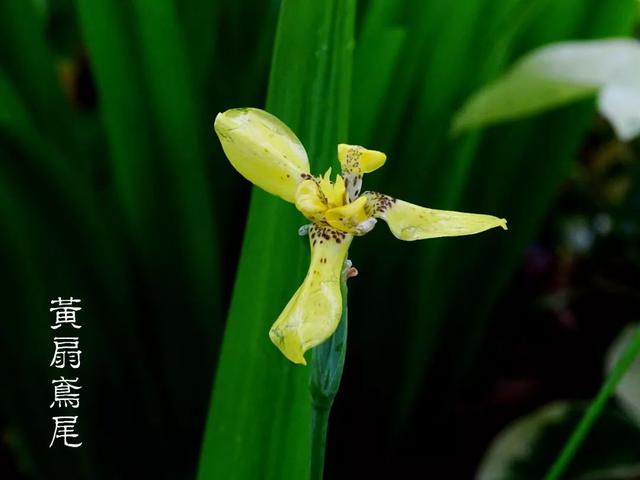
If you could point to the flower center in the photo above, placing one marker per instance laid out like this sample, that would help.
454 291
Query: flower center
334 193
330 204
338 204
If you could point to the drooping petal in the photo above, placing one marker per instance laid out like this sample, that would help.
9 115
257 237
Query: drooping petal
314 311
412 222
352 217
263 150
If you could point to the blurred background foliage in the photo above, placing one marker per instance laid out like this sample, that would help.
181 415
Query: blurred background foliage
115 190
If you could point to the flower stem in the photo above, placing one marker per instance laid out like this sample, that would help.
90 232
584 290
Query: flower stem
327 363
593 412
319 427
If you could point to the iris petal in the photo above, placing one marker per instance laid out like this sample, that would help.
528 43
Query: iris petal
309 202
349 217
334 192
412 222
314 311
263 150
357 160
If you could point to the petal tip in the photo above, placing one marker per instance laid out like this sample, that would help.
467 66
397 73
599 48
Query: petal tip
359 160
263 150
372 160
224 122
217 123
291 350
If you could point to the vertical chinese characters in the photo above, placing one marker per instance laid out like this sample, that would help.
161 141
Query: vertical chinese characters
67 352
66 391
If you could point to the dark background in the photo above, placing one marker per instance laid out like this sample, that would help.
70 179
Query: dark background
114 189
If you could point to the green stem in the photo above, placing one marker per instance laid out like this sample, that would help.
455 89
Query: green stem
591 415
319 427
327 363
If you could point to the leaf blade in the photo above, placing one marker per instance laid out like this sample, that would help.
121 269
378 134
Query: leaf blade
555 75
258 425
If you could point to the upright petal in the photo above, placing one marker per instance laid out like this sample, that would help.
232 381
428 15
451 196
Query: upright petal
358 160
314 311
412 222
263 150
334 192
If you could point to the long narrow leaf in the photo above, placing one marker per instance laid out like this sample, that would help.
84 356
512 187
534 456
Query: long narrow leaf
258 424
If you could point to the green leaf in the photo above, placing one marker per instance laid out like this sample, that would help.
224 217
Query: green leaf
200 19
510 173
628 390
516 442
593 414
119 81
259 417
561 73
27 61
524 448
157 166
176 114
13 114
381 48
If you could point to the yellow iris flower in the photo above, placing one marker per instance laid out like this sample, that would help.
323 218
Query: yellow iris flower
268 154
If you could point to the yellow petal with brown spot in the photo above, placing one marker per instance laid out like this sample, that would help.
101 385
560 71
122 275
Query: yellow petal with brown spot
412 222
358 160
263 149
348 217
314 311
